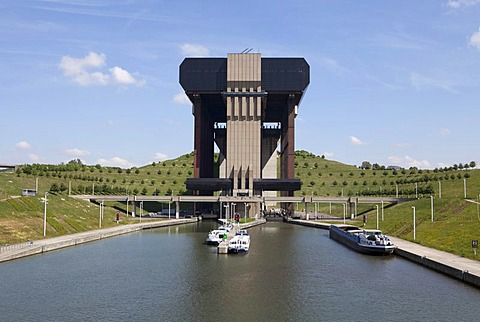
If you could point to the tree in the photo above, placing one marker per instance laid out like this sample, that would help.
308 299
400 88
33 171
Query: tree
472 164
366 165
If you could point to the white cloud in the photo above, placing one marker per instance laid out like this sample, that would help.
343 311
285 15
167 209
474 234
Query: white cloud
23 145
76 152
461 3
121 76
407 162
115 162
194 50
160 156
356 141
420 82
475 39
181 98
334 66
444 131
402 145
328 155
86 71
73 66
33 157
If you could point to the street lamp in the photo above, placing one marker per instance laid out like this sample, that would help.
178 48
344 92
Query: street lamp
382 211
227 206
414 235
246 205
45 200
100 215
233 209
377 215
431 202
344 211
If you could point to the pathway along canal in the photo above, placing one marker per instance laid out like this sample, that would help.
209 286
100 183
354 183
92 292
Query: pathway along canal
292 273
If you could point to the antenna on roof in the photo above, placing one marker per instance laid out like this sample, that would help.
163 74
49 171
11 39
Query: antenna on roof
246 50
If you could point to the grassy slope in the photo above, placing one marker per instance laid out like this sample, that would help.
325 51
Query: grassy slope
456 221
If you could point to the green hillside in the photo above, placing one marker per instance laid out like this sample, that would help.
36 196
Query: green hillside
456 221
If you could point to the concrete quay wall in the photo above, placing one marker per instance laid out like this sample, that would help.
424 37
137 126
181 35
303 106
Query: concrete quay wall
427 262
46 245
463 269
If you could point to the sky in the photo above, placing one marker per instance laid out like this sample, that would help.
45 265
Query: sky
391 82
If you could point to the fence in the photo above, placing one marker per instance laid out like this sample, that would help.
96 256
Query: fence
8 248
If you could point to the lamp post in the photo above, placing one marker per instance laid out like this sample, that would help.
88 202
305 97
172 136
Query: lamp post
100 215
431 202
246 205
416 190
382 211
221 206
414 233
344 211
465 188
45 200
377 215
227 206
439 190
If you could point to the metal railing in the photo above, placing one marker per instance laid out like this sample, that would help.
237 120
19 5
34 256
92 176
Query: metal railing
8 248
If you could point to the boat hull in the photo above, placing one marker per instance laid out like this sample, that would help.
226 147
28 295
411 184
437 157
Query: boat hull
353 241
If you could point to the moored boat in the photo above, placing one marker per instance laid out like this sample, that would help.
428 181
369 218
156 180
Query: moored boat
367 241
240 243
226 226
216 236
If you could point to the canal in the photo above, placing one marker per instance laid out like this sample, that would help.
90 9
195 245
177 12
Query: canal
292 273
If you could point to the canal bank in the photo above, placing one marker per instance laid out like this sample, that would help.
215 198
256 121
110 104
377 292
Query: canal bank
49 244
463 269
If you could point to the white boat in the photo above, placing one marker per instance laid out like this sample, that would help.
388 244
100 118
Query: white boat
226 226
368 241
240 243
216 236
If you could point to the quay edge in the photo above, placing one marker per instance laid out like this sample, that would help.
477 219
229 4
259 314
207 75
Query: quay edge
463 269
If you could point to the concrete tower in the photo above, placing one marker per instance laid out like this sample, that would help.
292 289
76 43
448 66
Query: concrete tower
246 105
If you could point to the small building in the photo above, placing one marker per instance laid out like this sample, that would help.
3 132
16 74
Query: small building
29 192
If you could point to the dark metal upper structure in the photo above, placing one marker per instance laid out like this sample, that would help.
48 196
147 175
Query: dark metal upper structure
207 83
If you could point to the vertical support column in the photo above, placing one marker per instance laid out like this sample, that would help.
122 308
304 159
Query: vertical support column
352 202
177 209
288 147
134 206
197 145
203 142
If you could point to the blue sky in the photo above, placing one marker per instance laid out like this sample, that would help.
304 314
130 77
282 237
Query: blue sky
392 82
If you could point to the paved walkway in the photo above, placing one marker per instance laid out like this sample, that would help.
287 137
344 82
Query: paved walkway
49 244
464 269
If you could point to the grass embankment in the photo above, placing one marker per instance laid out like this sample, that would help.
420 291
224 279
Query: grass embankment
456 221
21 219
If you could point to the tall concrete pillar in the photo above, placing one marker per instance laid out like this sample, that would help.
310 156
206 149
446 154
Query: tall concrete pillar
203 141
244 112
